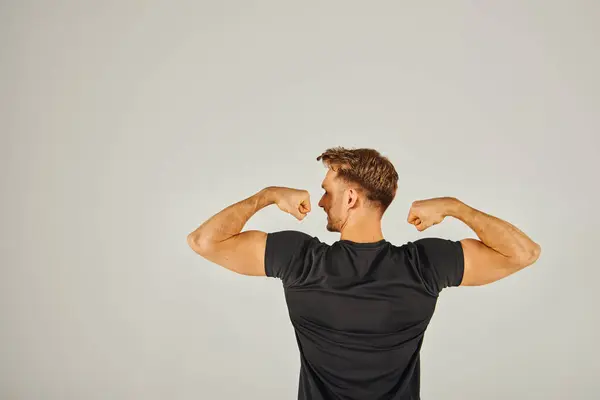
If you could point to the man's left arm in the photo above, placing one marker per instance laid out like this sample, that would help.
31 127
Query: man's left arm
221 240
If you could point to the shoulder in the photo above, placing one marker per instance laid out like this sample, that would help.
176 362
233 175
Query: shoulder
291 239
433 245
288 252
290 235
439 262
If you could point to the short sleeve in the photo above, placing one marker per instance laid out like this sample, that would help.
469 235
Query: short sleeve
288 255
440 262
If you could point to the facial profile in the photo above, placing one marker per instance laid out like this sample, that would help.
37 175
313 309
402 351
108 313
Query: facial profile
332 200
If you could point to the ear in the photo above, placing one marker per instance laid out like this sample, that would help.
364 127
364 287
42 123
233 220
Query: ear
352 198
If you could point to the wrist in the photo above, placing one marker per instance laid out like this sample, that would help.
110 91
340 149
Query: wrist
463 212
453 207
268 195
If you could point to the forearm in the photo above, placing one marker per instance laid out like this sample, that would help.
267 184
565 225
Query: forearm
496 233
230 221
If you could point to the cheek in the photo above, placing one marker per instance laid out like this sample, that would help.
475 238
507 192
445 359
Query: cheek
331 206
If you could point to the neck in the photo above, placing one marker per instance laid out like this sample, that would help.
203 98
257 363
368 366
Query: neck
365 231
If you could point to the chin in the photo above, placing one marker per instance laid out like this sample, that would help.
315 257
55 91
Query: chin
330 226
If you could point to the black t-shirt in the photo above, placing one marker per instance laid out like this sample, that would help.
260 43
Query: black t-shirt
360 310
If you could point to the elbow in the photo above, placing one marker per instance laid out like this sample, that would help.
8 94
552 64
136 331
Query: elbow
192 241
529 256
196 244
537 250
534 253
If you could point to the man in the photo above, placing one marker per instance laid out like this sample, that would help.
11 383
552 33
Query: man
360 307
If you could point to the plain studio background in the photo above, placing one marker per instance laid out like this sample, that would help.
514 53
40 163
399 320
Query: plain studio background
126 124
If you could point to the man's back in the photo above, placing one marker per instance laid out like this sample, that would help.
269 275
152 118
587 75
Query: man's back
360 310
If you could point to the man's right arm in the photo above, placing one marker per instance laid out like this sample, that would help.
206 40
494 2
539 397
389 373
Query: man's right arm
502 250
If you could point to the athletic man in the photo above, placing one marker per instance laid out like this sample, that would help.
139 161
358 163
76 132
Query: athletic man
360 306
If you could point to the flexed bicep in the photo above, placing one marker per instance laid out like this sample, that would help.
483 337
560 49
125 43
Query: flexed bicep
243 253
485 265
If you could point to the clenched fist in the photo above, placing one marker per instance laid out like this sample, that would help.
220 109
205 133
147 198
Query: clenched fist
426 213
292 201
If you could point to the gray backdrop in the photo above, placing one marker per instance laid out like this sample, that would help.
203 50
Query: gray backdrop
126 124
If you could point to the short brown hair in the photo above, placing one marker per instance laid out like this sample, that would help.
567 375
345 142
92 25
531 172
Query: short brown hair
367 168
